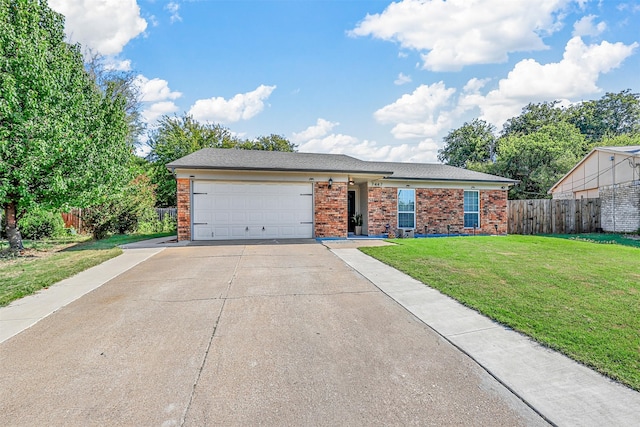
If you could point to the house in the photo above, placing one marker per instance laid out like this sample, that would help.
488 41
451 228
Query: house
613 175
241 194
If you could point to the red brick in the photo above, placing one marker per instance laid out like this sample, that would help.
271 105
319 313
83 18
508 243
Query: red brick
184 208
330 209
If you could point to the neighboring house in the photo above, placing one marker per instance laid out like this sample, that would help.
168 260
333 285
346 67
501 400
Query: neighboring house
243 194
613 175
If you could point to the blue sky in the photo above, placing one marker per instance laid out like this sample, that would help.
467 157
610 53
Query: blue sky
378 80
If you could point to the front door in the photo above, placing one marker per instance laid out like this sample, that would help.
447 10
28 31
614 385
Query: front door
351 210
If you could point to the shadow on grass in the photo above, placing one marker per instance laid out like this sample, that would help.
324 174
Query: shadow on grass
632 240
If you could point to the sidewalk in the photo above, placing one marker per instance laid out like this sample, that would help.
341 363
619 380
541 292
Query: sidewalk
26 312
565 392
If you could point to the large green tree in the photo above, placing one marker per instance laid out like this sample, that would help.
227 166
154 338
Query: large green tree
62 138
612 115
533 118
123 84
175 137
472 142
537 159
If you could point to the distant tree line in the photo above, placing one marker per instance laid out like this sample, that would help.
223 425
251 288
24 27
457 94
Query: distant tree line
545 141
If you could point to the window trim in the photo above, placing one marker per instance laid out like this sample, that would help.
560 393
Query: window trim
465 211
398 211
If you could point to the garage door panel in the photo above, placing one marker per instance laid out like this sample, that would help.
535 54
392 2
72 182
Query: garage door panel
202 232
250 211
221 201
254 217
221 217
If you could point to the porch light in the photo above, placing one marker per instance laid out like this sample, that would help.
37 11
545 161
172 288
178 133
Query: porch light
330 182
351 181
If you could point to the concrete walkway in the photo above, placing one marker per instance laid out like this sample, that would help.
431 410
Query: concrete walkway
566 393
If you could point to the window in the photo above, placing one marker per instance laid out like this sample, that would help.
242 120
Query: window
406 208
471 209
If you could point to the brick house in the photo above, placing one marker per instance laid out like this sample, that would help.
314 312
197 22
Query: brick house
613 175
228 194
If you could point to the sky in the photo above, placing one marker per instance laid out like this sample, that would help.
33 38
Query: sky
377 80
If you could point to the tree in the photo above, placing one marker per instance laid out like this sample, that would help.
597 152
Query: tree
538 159
472 142
123 84
175 137
62 139
268 143
613 114
533 118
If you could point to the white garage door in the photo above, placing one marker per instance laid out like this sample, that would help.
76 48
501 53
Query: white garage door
229 211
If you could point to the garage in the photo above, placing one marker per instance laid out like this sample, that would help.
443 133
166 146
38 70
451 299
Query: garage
236 210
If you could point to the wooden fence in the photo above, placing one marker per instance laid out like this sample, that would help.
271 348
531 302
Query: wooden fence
548 216
73 218
163 212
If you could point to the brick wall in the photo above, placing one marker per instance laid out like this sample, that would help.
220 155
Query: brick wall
626 208
330 209
383 208
437 208
493 211
184 208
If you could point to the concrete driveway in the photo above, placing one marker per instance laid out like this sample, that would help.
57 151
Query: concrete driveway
274 334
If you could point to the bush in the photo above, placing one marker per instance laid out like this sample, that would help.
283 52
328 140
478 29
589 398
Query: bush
125 211
39 223
167 225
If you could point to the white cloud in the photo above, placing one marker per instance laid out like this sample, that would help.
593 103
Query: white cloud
153 90
574 76
174 10
586 27
242 106
320 129
158 109
402 79
104 26
420 114
456 33
115 64
316 139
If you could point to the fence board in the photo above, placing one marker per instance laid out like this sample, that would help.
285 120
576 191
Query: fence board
548 216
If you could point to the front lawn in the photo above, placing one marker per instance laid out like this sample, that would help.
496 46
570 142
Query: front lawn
578 297
44 263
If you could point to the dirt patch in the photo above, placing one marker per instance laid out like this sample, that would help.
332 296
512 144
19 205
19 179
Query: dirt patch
7 257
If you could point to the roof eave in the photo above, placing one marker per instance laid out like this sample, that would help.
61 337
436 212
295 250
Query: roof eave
506 181
265 169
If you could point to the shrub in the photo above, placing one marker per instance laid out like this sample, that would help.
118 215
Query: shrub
38 223
124 212
167 225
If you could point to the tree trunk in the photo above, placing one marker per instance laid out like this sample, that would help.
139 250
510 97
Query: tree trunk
13 234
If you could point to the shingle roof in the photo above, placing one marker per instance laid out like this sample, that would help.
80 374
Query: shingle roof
438 172
232 159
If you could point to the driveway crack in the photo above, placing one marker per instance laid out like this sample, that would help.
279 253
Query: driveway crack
223 297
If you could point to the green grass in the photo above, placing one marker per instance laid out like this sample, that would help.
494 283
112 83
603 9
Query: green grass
574 296
607 238
48 262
